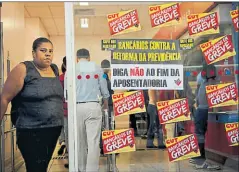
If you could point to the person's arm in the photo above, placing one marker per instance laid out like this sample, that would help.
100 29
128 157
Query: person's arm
65 87
152 97
12 87
104 89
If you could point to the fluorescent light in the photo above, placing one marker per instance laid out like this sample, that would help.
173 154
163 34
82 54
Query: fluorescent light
84 3
84 22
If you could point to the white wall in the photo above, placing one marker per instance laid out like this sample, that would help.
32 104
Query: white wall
13 31
42 30
33 30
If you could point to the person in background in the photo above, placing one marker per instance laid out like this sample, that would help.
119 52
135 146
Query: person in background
64 131
199 81
90 86
164 95
154 122
105 65
201 117
62 139
146 116
36 95
185 93
132 119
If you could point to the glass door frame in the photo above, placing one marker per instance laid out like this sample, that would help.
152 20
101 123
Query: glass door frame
71 87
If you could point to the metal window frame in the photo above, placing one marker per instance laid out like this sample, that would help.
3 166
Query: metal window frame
71 87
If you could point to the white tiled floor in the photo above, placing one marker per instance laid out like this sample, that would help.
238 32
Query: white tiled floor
140 161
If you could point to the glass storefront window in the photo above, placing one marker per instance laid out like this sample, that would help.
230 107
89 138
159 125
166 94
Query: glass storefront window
192 61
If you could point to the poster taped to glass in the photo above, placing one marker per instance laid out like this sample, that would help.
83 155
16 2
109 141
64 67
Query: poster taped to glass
118 141
232 133
218 49
128 103
186 44
222 95
123 22
164 15
181 148
235 19
203 24
173 111
146 76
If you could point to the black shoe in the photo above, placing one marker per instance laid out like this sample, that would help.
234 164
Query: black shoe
162 147
66 165
61 150
150 147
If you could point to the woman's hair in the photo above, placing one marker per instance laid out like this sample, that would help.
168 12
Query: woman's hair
63 66
38 42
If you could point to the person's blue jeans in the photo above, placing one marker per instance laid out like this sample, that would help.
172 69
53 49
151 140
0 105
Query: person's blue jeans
200 121
154 124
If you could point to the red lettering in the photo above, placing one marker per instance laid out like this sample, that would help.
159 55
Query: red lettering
118 96
235 12
108 133
232 125
171 141
162 104
206 45
195 16
112 16
212 87
154 8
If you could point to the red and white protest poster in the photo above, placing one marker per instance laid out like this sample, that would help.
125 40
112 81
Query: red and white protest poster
222 95
235 22
203 24
173 111
123 22
164 15
128 103
232 133
117 141
184 147
218 49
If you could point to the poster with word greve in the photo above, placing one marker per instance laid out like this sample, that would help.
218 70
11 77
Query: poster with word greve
184 147
164 15
218 49
128 103
235 19
123 22
146 76
222 95
203 24
118 141
173 111
232 133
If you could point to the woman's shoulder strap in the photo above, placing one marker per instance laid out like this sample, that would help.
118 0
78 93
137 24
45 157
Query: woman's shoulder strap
55 69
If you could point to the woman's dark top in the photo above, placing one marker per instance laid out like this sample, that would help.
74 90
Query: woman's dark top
40 102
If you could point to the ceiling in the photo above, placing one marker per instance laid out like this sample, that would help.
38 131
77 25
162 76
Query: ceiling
52 16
